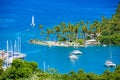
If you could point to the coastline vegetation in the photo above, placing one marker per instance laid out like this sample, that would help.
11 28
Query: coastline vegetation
105 31
23 70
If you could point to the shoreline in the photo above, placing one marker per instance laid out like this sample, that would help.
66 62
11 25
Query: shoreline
53 43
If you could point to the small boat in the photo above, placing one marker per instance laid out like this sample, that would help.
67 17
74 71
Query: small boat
76 52
104 45
109 63
18 55
73 57
33 23
13 53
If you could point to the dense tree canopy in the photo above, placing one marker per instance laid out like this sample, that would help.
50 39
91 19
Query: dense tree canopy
107 31
19 69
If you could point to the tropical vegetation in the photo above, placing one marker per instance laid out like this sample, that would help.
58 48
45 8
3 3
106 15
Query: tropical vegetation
105 31
23 70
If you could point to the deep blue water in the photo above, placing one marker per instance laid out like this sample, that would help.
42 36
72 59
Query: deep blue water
16 15
15 20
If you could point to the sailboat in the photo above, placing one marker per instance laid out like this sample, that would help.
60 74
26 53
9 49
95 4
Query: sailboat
76 51
33 23
73 57
17 50
14 53
109 62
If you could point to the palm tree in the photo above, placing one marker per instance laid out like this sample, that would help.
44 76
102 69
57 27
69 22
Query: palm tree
95 28
81 24
48 33
76 30
84 31
41 26
64 32
90 33
63 25
68 37
58 36
41 30
57 30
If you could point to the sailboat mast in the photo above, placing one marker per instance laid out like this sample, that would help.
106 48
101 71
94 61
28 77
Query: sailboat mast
20 44
44 65
7 52
11 47
110 53
32 19
110 50
15 46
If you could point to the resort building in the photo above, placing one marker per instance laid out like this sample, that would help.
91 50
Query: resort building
91 41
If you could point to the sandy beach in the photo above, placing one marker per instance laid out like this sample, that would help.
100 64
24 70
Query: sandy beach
53 43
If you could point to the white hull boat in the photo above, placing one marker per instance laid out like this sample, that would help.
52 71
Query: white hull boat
109 63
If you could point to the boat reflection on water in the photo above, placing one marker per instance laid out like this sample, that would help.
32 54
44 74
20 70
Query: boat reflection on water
74 55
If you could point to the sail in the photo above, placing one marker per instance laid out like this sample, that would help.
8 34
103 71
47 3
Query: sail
110 53
33 23
109 62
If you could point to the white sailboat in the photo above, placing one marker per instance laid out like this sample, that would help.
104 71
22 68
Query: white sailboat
17 50
76 52
14 53
104 45
109 62
6 60
73 57
33 23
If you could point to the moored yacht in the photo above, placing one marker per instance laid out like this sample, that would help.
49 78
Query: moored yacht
109 63
76 52
73 57
104 45
18 55
13 53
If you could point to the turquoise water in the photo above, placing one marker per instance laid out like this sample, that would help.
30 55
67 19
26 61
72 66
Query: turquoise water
92 60
15 20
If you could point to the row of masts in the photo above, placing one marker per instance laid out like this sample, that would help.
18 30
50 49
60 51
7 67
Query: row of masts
16 47
13 51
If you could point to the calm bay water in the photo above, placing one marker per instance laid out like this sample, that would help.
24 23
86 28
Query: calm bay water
15 20
92 60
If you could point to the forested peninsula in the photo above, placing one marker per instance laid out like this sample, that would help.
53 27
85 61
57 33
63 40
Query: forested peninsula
106 31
